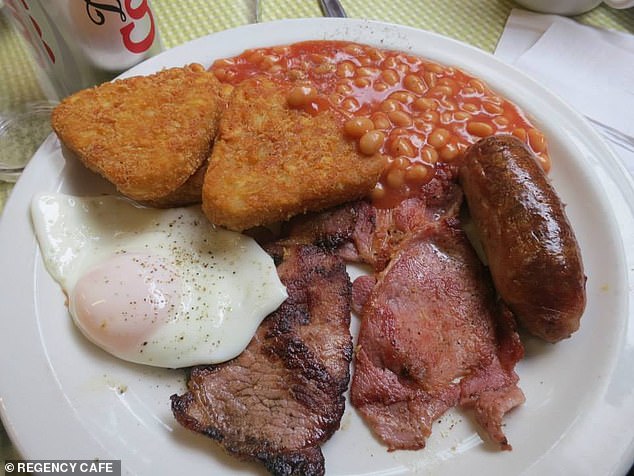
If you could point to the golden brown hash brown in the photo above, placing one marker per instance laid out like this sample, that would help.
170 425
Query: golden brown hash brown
271 162
145 134
187 194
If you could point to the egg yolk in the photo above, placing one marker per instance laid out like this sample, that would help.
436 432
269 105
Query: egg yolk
121 302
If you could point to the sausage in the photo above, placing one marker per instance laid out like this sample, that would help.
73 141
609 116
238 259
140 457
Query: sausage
531 249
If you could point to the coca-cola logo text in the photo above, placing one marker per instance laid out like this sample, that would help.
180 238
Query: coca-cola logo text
97 11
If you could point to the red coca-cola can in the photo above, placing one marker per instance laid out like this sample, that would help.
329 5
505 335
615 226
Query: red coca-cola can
79 43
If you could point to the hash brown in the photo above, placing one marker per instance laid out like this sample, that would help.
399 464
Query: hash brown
271 162
146 134
188 193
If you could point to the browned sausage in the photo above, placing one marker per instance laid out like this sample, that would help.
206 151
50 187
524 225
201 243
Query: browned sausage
531 248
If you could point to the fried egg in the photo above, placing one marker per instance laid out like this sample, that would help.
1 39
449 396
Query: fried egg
162 287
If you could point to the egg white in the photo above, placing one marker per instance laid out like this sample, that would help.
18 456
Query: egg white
158 287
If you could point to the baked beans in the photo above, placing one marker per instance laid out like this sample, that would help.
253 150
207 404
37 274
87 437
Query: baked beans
357 126
417 113
371 142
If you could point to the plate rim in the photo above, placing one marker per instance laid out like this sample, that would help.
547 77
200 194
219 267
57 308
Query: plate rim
10 213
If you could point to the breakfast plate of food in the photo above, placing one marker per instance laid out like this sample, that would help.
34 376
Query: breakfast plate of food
321 246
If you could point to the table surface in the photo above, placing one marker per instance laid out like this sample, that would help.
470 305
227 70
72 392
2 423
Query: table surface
476 22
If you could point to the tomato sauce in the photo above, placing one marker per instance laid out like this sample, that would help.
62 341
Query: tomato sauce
417 113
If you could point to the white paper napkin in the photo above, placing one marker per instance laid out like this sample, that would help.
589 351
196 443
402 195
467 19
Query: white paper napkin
590 68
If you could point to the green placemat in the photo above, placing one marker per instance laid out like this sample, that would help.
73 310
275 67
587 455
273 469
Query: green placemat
478 22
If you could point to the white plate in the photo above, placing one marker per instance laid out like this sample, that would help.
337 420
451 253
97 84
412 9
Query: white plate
63 398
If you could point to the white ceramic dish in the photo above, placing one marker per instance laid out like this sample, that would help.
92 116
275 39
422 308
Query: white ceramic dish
61 397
